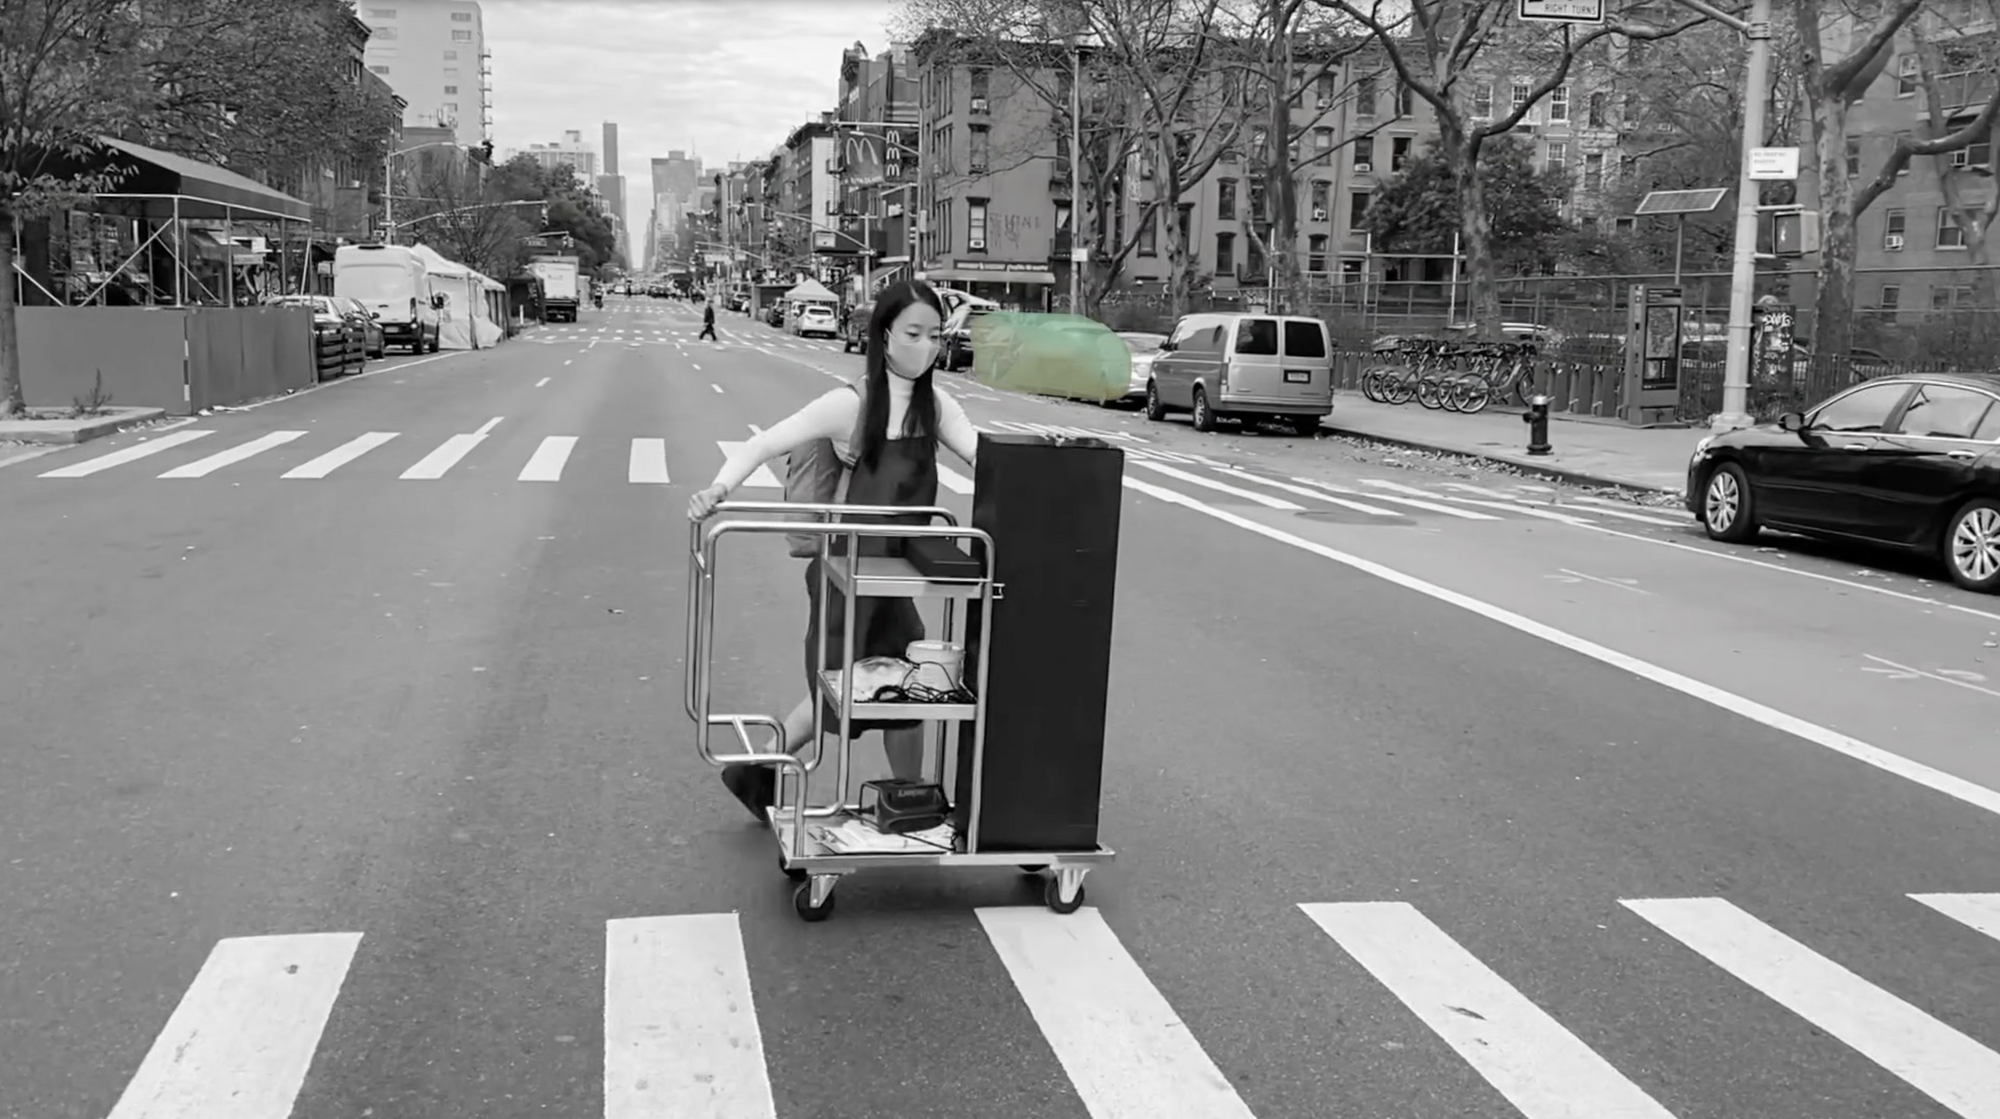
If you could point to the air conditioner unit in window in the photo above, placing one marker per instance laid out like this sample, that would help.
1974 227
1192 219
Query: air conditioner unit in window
1364 169
1893 242
979 104
976 244
1319 215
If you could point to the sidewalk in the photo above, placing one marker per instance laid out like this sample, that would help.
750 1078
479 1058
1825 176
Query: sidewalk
1601 452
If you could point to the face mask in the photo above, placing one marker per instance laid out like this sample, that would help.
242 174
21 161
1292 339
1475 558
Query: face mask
908 359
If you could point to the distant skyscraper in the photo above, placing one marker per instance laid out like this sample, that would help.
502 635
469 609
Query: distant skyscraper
433 54
611 185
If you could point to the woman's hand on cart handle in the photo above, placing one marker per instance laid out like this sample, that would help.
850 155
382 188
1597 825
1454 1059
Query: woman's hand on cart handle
704 502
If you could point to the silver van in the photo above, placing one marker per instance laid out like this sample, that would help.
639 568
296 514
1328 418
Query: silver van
1248 366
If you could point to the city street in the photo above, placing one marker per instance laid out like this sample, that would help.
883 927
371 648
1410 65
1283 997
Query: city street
348 775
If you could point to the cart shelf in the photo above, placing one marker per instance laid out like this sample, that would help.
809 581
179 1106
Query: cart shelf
830 684
895 577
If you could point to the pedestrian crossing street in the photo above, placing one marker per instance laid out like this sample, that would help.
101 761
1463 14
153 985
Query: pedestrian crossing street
295 455
681 999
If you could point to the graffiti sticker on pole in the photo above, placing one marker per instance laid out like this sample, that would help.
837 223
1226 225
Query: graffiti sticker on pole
1563 11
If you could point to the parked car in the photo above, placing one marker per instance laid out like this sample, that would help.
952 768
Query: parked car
338 345
816 318
1908 461
1145 347
1245 366
374 342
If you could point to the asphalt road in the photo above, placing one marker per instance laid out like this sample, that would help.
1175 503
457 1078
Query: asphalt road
367 791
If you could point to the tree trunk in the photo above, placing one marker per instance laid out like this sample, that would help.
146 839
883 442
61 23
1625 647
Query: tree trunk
1475 237
1281 191
13 401
1833 315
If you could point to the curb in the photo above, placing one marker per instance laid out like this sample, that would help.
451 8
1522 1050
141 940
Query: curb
80 432
1557 473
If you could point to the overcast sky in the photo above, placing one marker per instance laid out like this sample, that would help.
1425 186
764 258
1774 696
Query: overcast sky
725 79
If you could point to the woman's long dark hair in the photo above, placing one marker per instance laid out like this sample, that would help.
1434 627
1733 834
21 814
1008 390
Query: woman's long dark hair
921 419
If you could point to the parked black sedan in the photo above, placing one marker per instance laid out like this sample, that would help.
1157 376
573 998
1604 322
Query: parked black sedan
1912 462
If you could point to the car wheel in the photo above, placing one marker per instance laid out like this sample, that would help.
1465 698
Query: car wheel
1155 410
1204 416
1726 511
1972 546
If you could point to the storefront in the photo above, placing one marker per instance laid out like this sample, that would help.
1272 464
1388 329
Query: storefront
1015 285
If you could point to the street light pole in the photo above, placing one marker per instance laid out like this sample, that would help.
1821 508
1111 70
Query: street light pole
1743 277
1077 250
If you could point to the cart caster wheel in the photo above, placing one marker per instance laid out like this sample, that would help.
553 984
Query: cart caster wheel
1033 868
802 900
1052 895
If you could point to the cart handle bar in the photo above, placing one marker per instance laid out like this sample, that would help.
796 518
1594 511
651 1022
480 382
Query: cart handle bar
753 756
830 514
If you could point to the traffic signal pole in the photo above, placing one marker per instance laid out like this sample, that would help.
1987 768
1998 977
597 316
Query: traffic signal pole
1743 276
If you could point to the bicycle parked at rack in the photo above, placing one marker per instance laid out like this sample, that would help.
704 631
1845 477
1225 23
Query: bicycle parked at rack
1453 376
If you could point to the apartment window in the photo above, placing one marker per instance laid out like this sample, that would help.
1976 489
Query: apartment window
1257 200
981 148
1183 149
381 13
975 225
1891 301
383 32
1259 135
1947 297
1364 98
1906 76
1063 216
1406 100
461 36
982 82
1559 105
1399 152
1328 90
1593 170
1364 154
461 17
1357 208
1893 229
378 69
1316 253
1225 199
1979 153
1482 102
1253 266
1184 224
1558 159
451 89
1149 236
1598 105
1517 97
1949 235
1225 254
451 106
1853 156
1319 203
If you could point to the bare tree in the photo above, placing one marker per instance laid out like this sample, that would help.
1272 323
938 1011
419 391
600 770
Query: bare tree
460 214
1444 51
1948 63
1831 87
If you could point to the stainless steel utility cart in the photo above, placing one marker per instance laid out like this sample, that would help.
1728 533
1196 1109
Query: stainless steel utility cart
811 848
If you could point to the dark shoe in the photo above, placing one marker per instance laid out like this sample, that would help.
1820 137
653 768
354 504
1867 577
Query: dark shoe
755 786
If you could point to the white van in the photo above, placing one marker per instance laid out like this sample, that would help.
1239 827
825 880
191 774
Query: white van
395 285
1252 367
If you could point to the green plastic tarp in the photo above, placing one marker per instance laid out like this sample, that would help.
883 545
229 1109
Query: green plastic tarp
1050 355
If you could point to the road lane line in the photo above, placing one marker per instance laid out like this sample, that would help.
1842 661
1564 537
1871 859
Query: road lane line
1596 508
1911 770
954 481
432 466
1980 912
1503 506
487 427
242 1039
760 478
1894 667
716 387
680 1022
1414 503
546 464
1234 491
202 468
133 453
1126 1052
696 366
340 456
1316 495
1542 1068
567 360
648 462
1926 1054
540 383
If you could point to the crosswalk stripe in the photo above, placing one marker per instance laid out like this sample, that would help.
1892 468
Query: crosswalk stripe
239 1044
1503 506
130 454
954 481
1930 1056
546 464
760 478
1597 508
1542 1068
1605 505
432 466
201 468
1316 495
1127 1053
1981 912
680 1023
648 462
1414 503
1223 487
340 456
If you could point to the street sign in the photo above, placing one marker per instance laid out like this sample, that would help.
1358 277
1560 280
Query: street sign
1774 163
1698 201
1562 11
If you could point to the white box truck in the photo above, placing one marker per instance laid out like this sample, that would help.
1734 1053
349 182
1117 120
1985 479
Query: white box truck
561 293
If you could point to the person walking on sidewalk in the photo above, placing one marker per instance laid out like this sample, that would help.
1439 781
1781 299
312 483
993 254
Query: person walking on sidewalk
894 420
707 322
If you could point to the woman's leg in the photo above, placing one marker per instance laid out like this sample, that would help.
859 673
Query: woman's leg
905 749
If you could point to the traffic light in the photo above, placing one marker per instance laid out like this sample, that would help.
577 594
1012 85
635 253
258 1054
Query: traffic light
1794 232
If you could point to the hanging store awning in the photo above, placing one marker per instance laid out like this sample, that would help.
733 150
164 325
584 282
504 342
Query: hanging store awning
987 276
203 190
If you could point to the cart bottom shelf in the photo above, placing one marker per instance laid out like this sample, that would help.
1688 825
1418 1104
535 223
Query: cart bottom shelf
820 855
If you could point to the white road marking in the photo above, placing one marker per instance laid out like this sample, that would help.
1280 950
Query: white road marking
1916 772
1503 506
446 456
1938 676
133 453
1414 503
648 462
239 1044
1316 495
1542 1068
716 387
546 464
340 456
1127 1053
1621 584
540 383
201 468
567 360
1980 912
487 427
1930 1056
1196 479
695 365
954 481
760 478
680 1022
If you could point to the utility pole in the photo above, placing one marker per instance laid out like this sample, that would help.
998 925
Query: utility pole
1743 276
1078 251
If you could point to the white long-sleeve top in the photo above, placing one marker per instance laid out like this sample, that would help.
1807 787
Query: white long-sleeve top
833 416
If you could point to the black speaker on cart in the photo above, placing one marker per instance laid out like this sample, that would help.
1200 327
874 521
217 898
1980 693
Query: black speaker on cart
1051 506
